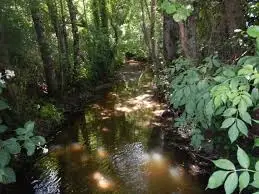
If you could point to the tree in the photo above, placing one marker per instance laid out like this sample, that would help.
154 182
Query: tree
48 63
76 47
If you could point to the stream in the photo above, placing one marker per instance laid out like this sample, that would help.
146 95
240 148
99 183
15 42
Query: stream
116 146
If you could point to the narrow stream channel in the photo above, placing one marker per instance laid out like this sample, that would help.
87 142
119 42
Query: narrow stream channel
115 148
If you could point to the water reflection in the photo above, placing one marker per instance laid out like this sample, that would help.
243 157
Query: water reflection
111 148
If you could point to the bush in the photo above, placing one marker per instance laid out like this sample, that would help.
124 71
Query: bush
220 98
51 113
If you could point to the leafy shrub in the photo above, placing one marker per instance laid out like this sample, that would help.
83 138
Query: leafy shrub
50 112
13 144
220 98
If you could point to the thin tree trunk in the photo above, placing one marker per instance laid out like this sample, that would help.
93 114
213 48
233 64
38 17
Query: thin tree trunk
85 16
152 31
73 12
53 11
63 33
44 48
145 30
95 10
183 39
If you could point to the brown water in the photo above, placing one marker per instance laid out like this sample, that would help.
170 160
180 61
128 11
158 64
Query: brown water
115 148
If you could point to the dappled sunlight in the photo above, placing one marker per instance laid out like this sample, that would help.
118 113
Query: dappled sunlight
102 153
177 173
102 181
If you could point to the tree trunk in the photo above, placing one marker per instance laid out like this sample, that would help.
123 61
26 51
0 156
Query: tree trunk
152 31
145 30
95 11
192 38
170 38
234 15
52 7
103 16
73 12
65 39
44 48
184 39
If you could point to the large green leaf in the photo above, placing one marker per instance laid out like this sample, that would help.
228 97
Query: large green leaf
256 142
244 180
229 112
38 140
242 127
233 133
190 107
30 146
231 183
12 146
255 95
4 158
243 158
228 122
242 106
3 105
257 166
253 31
246 117
3 128
217 179
8 176
224 164
29 126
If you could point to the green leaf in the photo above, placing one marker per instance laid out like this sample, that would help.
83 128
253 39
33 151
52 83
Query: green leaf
256 142
29 126
38 140
242 127
246 117
236 100
4 158
253 31
21 131
196 140
248 100
256 176
255 184
228 122
244 180
217 179
229 73
3 128
234 83
187 91
8 176
217 101
229 112
257 166
12 146
243 158
255 95
233 133
190 107
30 146
231 183
224 164
242 106
3 105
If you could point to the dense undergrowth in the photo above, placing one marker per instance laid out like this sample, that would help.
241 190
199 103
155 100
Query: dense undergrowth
220 99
